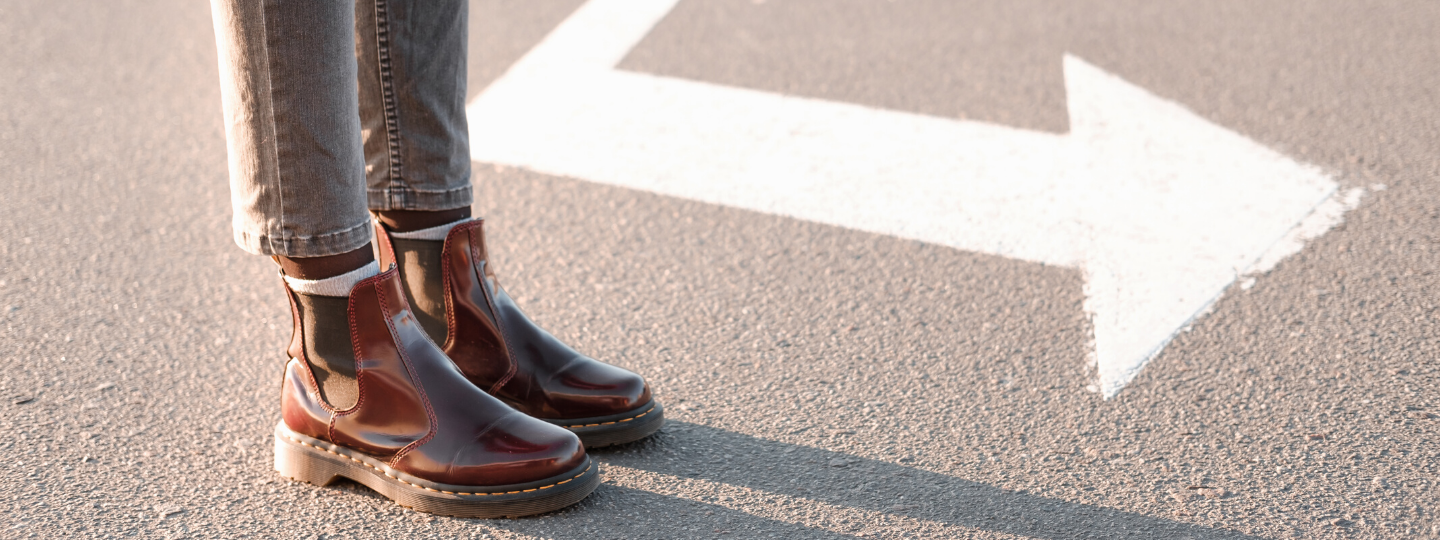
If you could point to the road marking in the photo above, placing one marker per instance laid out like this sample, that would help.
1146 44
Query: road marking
1161 209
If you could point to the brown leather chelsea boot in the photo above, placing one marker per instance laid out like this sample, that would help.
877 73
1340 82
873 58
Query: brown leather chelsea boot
412 427
502 351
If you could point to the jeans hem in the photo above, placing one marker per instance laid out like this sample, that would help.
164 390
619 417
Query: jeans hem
403 198
319 245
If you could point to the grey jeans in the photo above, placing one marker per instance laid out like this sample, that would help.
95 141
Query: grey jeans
333 107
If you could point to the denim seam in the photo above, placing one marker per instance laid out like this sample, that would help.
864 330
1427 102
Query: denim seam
422 191
387 93
318 244
419 199
274 160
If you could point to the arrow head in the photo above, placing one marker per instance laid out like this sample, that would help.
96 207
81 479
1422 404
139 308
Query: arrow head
1177 207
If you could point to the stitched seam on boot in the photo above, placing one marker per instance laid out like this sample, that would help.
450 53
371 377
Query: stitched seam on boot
382 235
418 486
414 380
312 384
636 417
509 351
447 284
477 268
296 323
354 355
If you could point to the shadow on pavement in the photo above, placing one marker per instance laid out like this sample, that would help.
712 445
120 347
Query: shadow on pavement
693 451
615 512
696 451
622 512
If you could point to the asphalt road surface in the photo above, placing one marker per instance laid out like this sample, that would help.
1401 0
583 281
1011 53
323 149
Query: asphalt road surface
821 382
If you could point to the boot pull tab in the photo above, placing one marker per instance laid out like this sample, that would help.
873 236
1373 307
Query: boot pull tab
297 334
384 252
475 234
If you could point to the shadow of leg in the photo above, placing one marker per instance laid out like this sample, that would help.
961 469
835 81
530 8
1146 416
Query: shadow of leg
751 474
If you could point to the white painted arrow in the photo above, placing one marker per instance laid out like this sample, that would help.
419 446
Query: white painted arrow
1161 209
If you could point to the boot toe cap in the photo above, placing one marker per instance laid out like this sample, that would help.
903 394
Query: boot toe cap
514 450
596 389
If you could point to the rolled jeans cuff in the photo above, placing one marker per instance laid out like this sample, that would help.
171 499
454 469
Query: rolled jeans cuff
407 198
320 245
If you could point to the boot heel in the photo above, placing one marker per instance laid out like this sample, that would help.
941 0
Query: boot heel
297 462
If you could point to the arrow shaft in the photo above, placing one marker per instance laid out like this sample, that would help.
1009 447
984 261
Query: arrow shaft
925 178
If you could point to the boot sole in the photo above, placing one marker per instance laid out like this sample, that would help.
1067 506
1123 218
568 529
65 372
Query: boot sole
616 429
317 462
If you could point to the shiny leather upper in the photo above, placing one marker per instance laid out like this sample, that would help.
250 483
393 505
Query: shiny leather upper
500 349
416 410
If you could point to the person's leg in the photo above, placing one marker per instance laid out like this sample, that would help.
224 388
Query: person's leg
297 166
296 160
365 394
412 102
412 110
412 56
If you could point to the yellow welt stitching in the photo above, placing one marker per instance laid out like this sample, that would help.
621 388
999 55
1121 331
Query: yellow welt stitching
614 422
418 486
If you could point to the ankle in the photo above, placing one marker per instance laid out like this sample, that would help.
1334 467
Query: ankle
414 220
317 268
336 286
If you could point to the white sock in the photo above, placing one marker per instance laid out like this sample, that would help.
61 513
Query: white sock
334 286
437 232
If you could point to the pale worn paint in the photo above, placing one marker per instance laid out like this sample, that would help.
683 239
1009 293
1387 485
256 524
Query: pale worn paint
1160 208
